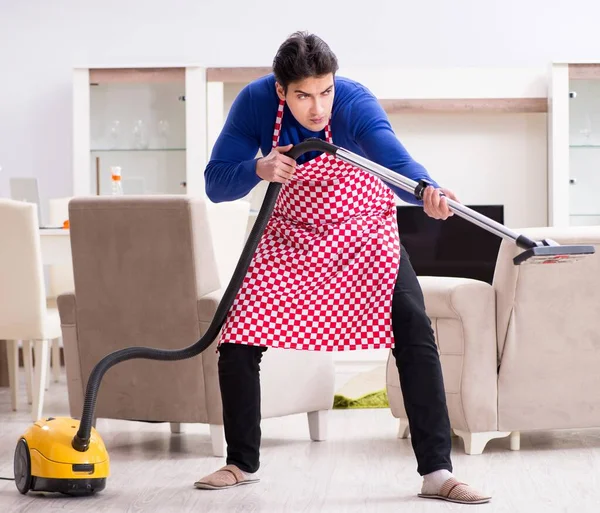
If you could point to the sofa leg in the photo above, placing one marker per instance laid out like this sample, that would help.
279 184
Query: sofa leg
475 442
217 437
403 428
317 425
176 428
515 441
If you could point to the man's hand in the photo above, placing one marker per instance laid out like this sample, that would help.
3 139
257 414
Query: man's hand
435 205
276 167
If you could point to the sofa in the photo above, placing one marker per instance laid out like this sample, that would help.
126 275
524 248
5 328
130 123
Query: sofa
521 354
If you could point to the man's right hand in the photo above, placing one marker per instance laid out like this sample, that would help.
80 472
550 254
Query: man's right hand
276 167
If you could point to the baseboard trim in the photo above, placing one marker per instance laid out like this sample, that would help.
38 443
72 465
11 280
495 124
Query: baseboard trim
356 367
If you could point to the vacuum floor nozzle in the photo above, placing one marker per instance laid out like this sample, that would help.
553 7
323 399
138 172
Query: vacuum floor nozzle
553 254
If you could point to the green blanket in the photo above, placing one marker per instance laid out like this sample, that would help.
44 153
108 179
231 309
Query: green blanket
377 399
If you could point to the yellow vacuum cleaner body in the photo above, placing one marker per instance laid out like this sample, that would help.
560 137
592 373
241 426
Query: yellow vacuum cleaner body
45 460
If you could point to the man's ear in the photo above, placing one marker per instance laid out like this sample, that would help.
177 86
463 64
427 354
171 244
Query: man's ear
280 91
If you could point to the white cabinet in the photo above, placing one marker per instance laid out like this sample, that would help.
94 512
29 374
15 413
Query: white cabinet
149 121
574 144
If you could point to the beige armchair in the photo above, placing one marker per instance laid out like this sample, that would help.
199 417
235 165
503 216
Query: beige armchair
146 275
521 355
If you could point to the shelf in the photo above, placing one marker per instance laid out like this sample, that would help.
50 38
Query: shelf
106 150
584 71
236 75
136 75
584 145
392 106
500 105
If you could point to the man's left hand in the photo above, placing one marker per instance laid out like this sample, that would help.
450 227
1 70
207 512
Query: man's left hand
435 205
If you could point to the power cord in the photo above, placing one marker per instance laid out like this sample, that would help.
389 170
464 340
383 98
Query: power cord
7 478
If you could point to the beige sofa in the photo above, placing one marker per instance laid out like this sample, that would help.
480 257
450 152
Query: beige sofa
146 274
521 355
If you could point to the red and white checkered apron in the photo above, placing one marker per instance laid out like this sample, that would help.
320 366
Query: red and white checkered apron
323 274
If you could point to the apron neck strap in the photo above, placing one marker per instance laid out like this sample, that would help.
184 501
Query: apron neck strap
279 120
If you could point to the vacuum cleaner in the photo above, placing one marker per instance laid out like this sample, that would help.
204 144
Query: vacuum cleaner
68 455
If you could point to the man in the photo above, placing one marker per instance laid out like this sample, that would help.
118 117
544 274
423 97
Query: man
329 272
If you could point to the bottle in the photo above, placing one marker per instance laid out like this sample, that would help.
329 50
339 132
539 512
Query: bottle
115 177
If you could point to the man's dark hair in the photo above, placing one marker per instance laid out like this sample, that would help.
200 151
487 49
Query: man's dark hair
303 55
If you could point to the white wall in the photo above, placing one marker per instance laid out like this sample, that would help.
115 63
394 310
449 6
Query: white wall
485 159
41 41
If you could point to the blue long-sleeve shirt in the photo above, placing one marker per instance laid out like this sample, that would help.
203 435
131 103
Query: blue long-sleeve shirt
358 124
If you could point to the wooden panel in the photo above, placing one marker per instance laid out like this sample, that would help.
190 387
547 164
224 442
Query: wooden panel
466 105
3 364
136 75
584 71
236 75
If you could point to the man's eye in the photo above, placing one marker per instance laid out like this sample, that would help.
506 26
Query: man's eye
327 92
302 96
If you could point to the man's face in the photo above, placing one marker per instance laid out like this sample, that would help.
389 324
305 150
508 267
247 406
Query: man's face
310 101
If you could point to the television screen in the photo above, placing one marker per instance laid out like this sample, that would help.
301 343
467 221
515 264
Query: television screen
454 247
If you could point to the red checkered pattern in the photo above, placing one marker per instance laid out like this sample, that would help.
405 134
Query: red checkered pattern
278 121
323 274
328 137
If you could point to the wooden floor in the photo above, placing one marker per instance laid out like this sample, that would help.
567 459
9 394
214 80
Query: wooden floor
362 467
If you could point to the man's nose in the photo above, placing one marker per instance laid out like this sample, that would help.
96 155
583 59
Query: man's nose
317 108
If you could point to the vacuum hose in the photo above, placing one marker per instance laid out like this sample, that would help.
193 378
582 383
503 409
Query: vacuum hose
81 440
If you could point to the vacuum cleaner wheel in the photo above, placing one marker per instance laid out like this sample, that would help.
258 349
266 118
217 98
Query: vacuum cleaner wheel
22 467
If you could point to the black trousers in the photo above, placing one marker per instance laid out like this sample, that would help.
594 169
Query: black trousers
418 365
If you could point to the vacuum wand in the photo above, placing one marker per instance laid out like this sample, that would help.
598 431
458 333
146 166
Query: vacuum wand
545 251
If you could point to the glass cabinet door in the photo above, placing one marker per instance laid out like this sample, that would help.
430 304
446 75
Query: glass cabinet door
584 146
138 123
